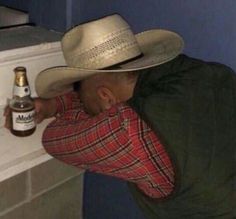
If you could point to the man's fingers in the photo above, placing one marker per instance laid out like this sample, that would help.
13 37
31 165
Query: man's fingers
7 122
6 111
7 115
39 117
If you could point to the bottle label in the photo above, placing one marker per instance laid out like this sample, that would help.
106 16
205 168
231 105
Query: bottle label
23 121
21 91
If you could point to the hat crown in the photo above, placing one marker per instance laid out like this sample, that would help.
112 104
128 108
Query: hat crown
99 44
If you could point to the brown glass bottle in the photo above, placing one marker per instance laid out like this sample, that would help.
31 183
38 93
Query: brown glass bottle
22 106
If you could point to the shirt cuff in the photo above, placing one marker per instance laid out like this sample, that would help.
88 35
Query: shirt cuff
67 102
60 105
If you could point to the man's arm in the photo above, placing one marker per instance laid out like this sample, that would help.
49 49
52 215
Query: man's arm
75 137
46 108
114 143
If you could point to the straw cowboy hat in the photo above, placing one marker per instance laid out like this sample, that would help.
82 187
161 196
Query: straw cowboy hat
106 45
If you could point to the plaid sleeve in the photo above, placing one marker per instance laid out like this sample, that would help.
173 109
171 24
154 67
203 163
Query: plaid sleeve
116 142
79 139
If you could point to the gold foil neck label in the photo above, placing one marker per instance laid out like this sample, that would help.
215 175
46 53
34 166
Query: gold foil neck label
21 86
20 79
20 76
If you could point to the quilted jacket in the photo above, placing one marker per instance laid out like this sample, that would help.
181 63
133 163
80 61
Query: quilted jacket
191 105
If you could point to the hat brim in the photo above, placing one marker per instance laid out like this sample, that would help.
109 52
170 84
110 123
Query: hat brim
157 46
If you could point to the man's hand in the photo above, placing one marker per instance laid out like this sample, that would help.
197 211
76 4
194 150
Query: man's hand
7 114
44 108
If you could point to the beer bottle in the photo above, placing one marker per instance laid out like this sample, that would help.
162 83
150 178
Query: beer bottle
22 106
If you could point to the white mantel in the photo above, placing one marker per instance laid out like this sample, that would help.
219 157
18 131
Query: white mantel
18 154
36 49
29 177
32 47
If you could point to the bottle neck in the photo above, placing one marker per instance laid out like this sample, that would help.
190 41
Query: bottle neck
21 92
21 86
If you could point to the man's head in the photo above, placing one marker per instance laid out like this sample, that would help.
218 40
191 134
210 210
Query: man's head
101 91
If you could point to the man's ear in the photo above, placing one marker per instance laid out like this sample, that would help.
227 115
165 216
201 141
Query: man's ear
106 96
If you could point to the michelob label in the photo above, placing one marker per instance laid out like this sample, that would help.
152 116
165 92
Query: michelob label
23 121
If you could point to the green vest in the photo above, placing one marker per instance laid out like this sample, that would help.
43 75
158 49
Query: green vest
191 105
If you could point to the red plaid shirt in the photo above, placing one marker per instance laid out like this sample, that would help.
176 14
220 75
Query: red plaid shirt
116 142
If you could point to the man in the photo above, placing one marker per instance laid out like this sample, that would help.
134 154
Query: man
143 112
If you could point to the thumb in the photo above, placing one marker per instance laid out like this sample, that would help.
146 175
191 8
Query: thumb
39 117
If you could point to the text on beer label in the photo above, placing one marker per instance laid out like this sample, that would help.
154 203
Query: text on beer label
23 121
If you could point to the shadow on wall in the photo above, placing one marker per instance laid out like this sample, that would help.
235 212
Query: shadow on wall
109 198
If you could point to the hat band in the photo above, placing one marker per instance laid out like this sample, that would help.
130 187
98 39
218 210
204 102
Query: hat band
113 50
118 65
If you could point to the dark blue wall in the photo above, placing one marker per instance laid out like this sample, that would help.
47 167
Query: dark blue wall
51 14
19 4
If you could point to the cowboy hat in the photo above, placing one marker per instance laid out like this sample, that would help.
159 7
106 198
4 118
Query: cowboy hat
106 45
